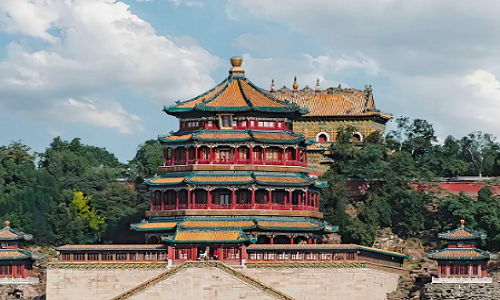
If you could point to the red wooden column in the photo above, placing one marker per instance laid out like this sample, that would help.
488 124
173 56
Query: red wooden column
172 156
270 200
210 156
163 200
290 197
194 253
271 240
14 271
307 198
291 240
297 156
177 199
263 155
310 241
209 198
194 200
243 255
305 157
234 198
188 199
250 153
187 155
253 197
196 154
220 253
170 255
23 271
236 154
300 199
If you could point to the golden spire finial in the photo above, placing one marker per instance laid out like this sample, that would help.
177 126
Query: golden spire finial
462 223
272 85
295 85
236 69
7 223
318 87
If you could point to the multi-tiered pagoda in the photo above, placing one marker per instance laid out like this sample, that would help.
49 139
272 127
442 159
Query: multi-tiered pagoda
234 172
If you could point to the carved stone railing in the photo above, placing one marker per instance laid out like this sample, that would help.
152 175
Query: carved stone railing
202 264
106 266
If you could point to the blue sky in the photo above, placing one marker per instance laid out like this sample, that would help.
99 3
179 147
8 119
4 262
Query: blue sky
101 70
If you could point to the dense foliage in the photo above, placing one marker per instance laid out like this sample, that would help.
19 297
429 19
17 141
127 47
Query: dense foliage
393 170
74 193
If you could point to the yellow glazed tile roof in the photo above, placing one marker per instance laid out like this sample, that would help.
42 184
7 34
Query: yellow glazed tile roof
223 135
257 98
200 99
8 234
274 136
282 179
465 253
230 97
157 225
460 233
217 224
221 179
323 105
208 236
168 180
178 137
111 247
5 254
287 224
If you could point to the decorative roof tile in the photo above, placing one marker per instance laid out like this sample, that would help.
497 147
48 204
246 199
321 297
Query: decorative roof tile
166 180
276 136
230 96
111 247
346 102
218 224
176 138
287 225
16 254
9 234
459 254
208 237
279 180
157 225
462 233
223 136
221 179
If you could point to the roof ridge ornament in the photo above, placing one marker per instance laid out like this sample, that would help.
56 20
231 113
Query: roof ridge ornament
236 69
272 85
295 85
462 223
318 87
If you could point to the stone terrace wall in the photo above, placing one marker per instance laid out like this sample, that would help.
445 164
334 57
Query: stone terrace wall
207 283
329 284
472 291
94 284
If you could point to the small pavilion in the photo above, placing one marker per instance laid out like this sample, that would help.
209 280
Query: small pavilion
461 261
16 264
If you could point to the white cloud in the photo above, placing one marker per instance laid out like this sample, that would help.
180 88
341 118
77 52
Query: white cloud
96 48
109 115
179 2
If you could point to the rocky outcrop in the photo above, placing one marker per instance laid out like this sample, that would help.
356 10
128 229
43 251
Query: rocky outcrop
460 292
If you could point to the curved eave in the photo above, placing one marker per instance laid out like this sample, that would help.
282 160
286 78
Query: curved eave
431 256
219 182
375 250
301 229
165 141
331 229
173 241
149 182
137 227
217 228
282 183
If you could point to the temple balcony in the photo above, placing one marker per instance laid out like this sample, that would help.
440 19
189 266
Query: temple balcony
274 206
